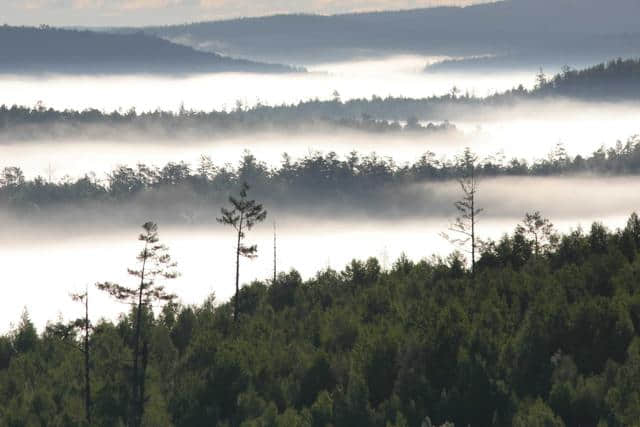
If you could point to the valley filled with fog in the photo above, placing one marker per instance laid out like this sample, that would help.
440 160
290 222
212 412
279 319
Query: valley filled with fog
524 130
531 133
399 76
260 213
55 254
78 245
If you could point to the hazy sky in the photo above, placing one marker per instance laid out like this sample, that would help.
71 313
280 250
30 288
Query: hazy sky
152 12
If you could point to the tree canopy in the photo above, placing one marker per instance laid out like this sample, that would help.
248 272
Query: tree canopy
549 339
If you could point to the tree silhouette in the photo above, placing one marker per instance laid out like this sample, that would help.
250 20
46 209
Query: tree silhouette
68 331
541 79
465 223
11 177
85 325
243 216
275 253
539 230
154 263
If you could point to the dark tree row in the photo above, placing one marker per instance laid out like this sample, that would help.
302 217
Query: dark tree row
321 177
40 122
615 79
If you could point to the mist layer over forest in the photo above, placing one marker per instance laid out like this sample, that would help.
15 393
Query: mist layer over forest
396 76
428 217
528 131
581 110
380 216
545 145
77 245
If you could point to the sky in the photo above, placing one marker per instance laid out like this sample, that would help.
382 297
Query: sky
161 12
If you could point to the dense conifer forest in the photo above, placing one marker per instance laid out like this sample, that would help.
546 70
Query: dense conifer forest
614 79
19 123
546 332
318 178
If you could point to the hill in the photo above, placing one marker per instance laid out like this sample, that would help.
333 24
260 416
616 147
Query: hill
560 29
618 79
50 50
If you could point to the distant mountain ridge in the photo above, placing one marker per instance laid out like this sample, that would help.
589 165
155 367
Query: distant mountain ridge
51 50
505 27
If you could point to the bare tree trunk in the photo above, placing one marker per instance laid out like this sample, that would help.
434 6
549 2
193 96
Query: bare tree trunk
87 374
141 396
473 222
275 254
138 406
236 304
473 243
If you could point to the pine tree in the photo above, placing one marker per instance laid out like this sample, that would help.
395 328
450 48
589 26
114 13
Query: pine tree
465 224
85 325
243 216
155 263
541 79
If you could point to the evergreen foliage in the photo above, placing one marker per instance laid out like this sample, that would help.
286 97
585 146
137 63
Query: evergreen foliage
545 334
315 178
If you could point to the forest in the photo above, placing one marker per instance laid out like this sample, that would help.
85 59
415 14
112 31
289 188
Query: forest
317 177
544 330
320 213
18 123
617 80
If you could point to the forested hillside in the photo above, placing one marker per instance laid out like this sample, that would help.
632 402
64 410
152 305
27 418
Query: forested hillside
551 30
546 332
619 79
50 50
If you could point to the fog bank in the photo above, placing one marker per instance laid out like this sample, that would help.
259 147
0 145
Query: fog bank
52 257
397 76
529 131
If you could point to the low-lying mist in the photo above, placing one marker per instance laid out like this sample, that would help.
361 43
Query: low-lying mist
66 248
52 249
503 197
529 131
396 76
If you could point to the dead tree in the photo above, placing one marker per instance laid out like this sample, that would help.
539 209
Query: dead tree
275 254
84 324
154 263
465 225
67 335
243 216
